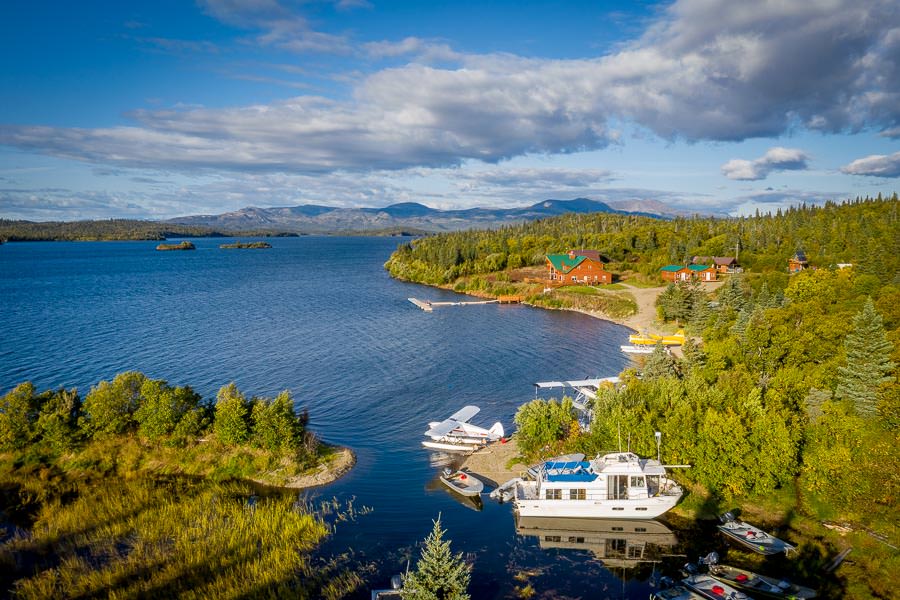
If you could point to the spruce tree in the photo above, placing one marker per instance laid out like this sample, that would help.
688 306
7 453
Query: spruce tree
439 575
659 364
868 361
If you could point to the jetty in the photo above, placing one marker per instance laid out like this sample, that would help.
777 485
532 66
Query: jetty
428 305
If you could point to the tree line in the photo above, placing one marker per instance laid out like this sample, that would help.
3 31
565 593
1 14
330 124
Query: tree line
861 231
113 229
155 412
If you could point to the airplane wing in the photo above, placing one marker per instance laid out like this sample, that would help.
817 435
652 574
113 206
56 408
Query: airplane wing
442 428
464 414
448 425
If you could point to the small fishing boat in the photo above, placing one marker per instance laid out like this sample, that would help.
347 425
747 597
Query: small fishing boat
676 592
462 483
711 588
752 537
756 584
506 492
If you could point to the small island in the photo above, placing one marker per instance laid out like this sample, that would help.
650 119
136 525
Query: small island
182 246
246 245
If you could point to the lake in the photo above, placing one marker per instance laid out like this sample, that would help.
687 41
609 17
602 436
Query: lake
319 316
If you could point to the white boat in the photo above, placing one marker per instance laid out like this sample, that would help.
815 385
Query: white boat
618 485
711 588
456 434
462 483
505 492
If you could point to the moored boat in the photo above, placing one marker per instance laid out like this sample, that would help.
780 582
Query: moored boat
711 588
752 537
758 584
462 483
676 592
617 485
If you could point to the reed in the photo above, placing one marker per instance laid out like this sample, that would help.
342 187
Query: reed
169 537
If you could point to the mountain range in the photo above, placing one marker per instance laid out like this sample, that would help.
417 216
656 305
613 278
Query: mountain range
409 216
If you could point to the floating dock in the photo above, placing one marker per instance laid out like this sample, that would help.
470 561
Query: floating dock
428 306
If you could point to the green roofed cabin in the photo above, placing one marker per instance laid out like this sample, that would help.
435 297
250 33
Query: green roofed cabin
577 267
680 273
674 273
703 272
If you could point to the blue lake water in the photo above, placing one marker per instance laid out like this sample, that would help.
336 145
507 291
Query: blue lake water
319 316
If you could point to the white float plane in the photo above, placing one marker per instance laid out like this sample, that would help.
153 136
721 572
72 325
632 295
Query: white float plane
457 434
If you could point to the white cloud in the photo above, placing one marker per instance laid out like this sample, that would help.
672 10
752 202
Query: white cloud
775 159
757 69
877 165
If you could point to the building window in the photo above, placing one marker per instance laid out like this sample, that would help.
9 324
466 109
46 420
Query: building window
577 494
637 481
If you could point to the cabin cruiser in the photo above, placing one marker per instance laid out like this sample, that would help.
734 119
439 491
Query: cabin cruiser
618 485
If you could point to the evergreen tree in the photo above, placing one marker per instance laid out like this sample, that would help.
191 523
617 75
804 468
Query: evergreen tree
694 357
868 361
659 364
439 575
232 416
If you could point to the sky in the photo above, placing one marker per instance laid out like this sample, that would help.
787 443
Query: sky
153 110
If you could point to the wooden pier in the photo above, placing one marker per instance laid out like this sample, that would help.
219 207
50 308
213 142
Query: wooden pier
428 306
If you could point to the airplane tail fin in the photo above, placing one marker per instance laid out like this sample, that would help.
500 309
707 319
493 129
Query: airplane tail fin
496 430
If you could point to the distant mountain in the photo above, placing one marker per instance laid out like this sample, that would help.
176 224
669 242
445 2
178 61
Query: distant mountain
311 218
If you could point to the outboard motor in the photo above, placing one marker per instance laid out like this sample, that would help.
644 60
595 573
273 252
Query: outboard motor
710 559
689 569
727 517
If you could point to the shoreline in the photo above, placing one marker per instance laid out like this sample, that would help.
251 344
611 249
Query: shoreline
338 465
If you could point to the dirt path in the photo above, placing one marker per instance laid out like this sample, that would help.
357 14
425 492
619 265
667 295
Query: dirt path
489 463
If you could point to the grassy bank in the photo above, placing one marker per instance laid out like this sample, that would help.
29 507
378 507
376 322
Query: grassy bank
82 533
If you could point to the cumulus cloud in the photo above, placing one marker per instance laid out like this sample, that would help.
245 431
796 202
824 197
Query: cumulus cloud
757 69
877 165
776 159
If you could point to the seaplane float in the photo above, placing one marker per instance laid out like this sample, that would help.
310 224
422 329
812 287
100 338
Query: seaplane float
456 434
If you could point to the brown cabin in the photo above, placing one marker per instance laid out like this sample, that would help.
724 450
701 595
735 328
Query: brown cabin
577 267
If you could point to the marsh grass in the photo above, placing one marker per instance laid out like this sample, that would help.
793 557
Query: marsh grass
166 537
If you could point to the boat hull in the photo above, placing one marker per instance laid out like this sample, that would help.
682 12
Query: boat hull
604 509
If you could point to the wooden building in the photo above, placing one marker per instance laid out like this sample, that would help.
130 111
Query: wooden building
703 272
797 262
675 273
577 267
725 265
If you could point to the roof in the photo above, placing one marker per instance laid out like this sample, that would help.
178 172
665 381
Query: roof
697 268
799 257
672 268
564 264
718 260
592 254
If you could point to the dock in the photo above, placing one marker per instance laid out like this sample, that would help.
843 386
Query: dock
428 305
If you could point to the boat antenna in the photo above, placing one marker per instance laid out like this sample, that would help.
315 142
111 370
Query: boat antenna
619 432
629 441
658 435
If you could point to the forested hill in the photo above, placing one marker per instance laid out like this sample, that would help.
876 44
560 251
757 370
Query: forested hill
863 232
110 229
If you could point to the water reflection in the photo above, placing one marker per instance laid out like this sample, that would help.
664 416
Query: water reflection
616 542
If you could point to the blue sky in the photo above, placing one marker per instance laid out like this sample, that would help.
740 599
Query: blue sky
160 109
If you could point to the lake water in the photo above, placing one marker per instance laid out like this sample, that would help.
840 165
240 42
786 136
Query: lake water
320 316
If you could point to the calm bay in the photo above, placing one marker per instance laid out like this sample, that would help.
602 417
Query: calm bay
319 316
